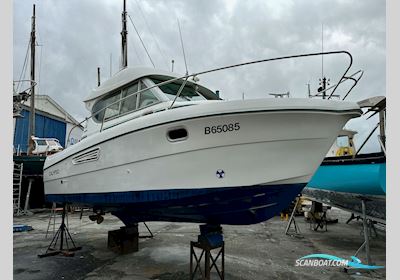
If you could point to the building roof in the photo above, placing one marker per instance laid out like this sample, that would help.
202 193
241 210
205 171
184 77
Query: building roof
47 105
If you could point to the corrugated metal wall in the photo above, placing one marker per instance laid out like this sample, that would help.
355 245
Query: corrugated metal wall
44 127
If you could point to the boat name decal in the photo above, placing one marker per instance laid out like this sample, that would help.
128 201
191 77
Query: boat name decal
54 172
222 128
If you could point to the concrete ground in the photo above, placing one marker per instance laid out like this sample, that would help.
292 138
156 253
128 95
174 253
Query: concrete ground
260 251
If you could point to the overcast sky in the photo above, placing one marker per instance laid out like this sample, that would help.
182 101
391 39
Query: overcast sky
77 36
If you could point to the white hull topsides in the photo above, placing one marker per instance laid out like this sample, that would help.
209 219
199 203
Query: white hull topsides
251 142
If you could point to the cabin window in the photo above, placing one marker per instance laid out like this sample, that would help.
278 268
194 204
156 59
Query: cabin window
129 104
189 93
96 107
132 102
112 110
146 97
53 142
343 141
41 142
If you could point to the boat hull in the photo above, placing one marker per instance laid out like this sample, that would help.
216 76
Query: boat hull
364 175
344 182
33 165
272 148
231 205
375 204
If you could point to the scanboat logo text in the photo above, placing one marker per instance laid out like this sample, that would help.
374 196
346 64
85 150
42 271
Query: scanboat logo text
319 260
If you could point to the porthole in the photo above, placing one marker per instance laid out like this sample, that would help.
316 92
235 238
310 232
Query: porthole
177 134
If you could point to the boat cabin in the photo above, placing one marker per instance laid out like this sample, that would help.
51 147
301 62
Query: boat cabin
132 92
344 144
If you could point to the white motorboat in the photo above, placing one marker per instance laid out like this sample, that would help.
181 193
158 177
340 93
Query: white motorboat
159 147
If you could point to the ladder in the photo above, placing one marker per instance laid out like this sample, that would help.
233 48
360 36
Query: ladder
17 184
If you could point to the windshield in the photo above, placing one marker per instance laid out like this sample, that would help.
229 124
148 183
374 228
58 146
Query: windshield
189 93
343 141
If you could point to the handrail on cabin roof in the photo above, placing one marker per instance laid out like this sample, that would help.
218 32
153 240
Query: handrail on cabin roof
187 76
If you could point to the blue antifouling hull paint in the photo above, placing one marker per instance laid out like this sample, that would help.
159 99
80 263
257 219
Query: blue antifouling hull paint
229 205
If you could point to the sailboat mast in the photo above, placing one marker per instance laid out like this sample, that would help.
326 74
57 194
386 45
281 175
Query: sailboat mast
124 39
32 106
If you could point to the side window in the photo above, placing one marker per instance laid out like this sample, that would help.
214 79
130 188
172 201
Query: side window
129 104
146 98
98 106
41 142
132 102
112 110
342 141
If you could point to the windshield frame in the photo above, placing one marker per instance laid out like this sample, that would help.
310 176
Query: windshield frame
200 91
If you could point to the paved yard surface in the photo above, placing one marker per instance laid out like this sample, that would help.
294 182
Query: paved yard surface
260 251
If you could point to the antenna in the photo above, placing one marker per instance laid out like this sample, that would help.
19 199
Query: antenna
183 49
110 64
323 81
322 56
98 76
309 90
172 65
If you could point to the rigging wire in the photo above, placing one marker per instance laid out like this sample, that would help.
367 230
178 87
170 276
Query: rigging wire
183 49
40 60
141 41
137 54
40 67
23 71
152 35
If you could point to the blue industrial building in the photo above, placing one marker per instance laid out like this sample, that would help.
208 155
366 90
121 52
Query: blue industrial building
51 121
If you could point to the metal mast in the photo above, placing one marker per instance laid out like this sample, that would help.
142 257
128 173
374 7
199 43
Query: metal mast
32 106
124 39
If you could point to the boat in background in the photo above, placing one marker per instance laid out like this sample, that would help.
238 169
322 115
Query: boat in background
46 146
344 144
348 177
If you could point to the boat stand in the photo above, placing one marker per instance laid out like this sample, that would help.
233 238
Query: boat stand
210 239
124 240
148 229
318 216
365 244
352 217
292 220
61 235
372 228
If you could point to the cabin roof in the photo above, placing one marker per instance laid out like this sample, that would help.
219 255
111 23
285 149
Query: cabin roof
126 76
347 132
